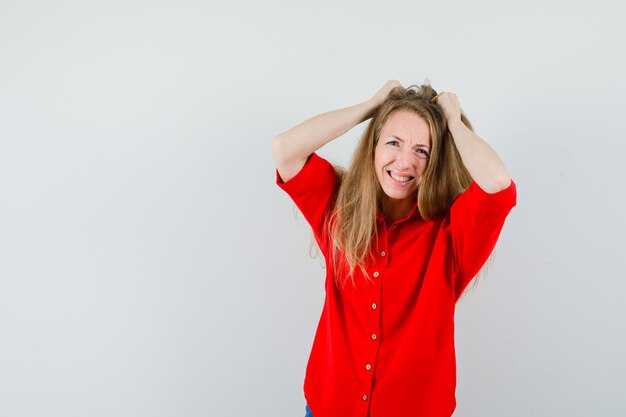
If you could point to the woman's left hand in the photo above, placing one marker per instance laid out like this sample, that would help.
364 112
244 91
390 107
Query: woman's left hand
450 105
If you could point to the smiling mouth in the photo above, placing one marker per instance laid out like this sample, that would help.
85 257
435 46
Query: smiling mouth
399 178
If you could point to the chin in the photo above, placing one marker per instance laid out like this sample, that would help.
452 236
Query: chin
400 196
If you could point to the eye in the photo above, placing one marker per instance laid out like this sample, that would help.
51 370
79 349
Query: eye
422 153
393 142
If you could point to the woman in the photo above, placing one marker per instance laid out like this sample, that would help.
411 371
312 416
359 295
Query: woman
403 231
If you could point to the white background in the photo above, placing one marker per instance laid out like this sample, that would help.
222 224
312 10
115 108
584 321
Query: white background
149 266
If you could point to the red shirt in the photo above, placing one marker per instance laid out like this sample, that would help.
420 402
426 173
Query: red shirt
387 346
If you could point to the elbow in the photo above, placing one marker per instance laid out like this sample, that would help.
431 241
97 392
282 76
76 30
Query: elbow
501 182
494 182
277 148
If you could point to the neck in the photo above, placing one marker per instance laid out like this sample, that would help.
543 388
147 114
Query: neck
394 210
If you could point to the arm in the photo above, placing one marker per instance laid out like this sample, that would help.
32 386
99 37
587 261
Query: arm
482 162
292 148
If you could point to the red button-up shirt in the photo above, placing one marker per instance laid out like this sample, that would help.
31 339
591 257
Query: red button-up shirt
387 346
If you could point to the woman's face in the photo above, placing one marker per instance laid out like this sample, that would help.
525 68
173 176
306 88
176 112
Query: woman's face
401 155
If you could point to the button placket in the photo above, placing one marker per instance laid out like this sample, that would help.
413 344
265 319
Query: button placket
376 270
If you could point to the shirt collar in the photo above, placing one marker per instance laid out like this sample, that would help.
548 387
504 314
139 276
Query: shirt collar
413 213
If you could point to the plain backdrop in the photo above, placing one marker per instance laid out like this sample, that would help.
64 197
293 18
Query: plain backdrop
149 266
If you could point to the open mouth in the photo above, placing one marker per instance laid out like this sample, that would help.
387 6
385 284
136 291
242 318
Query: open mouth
398 178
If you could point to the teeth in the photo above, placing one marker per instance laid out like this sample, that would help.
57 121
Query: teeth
401 179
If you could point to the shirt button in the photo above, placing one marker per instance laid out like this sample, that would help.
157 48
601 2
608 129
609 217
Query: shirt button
376 274
374 336
374 306
368 367
364 397
383 253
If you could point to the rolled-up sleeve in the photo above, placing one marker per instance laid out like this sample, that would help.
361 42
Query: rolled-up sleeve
312 190
476 220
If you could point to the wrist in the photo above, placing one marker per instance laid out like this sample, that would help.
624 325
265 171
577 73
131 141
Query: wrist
373 102
455 124
369 107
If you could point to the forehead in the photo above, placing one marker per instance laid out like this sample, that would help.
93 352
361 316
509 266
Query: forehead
408 126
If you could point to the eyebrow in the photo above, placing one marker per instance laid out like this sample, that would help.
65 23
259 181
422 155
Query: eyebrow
419 145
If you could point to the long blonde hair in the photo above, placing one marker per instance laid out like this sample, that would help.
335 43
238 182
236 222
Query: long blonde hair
352 219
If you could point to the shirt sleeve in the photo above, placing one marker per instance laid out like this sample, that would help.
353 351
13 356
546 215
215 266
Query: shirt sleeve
312 189
476 219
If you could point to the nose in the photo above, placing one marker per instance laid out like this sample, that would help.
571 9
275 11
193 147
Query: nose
403 159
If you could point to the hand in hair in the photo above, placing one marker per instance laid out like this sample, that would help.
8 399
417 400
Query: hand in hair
382 94
293 147
450 105
482 162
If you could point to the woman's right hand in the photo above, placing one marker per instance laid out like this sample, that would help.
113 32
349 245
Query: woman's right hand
292 147
382 94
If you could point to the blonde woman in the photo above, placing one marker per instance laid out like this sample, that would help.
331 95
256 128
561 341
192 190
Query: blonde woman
403 231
